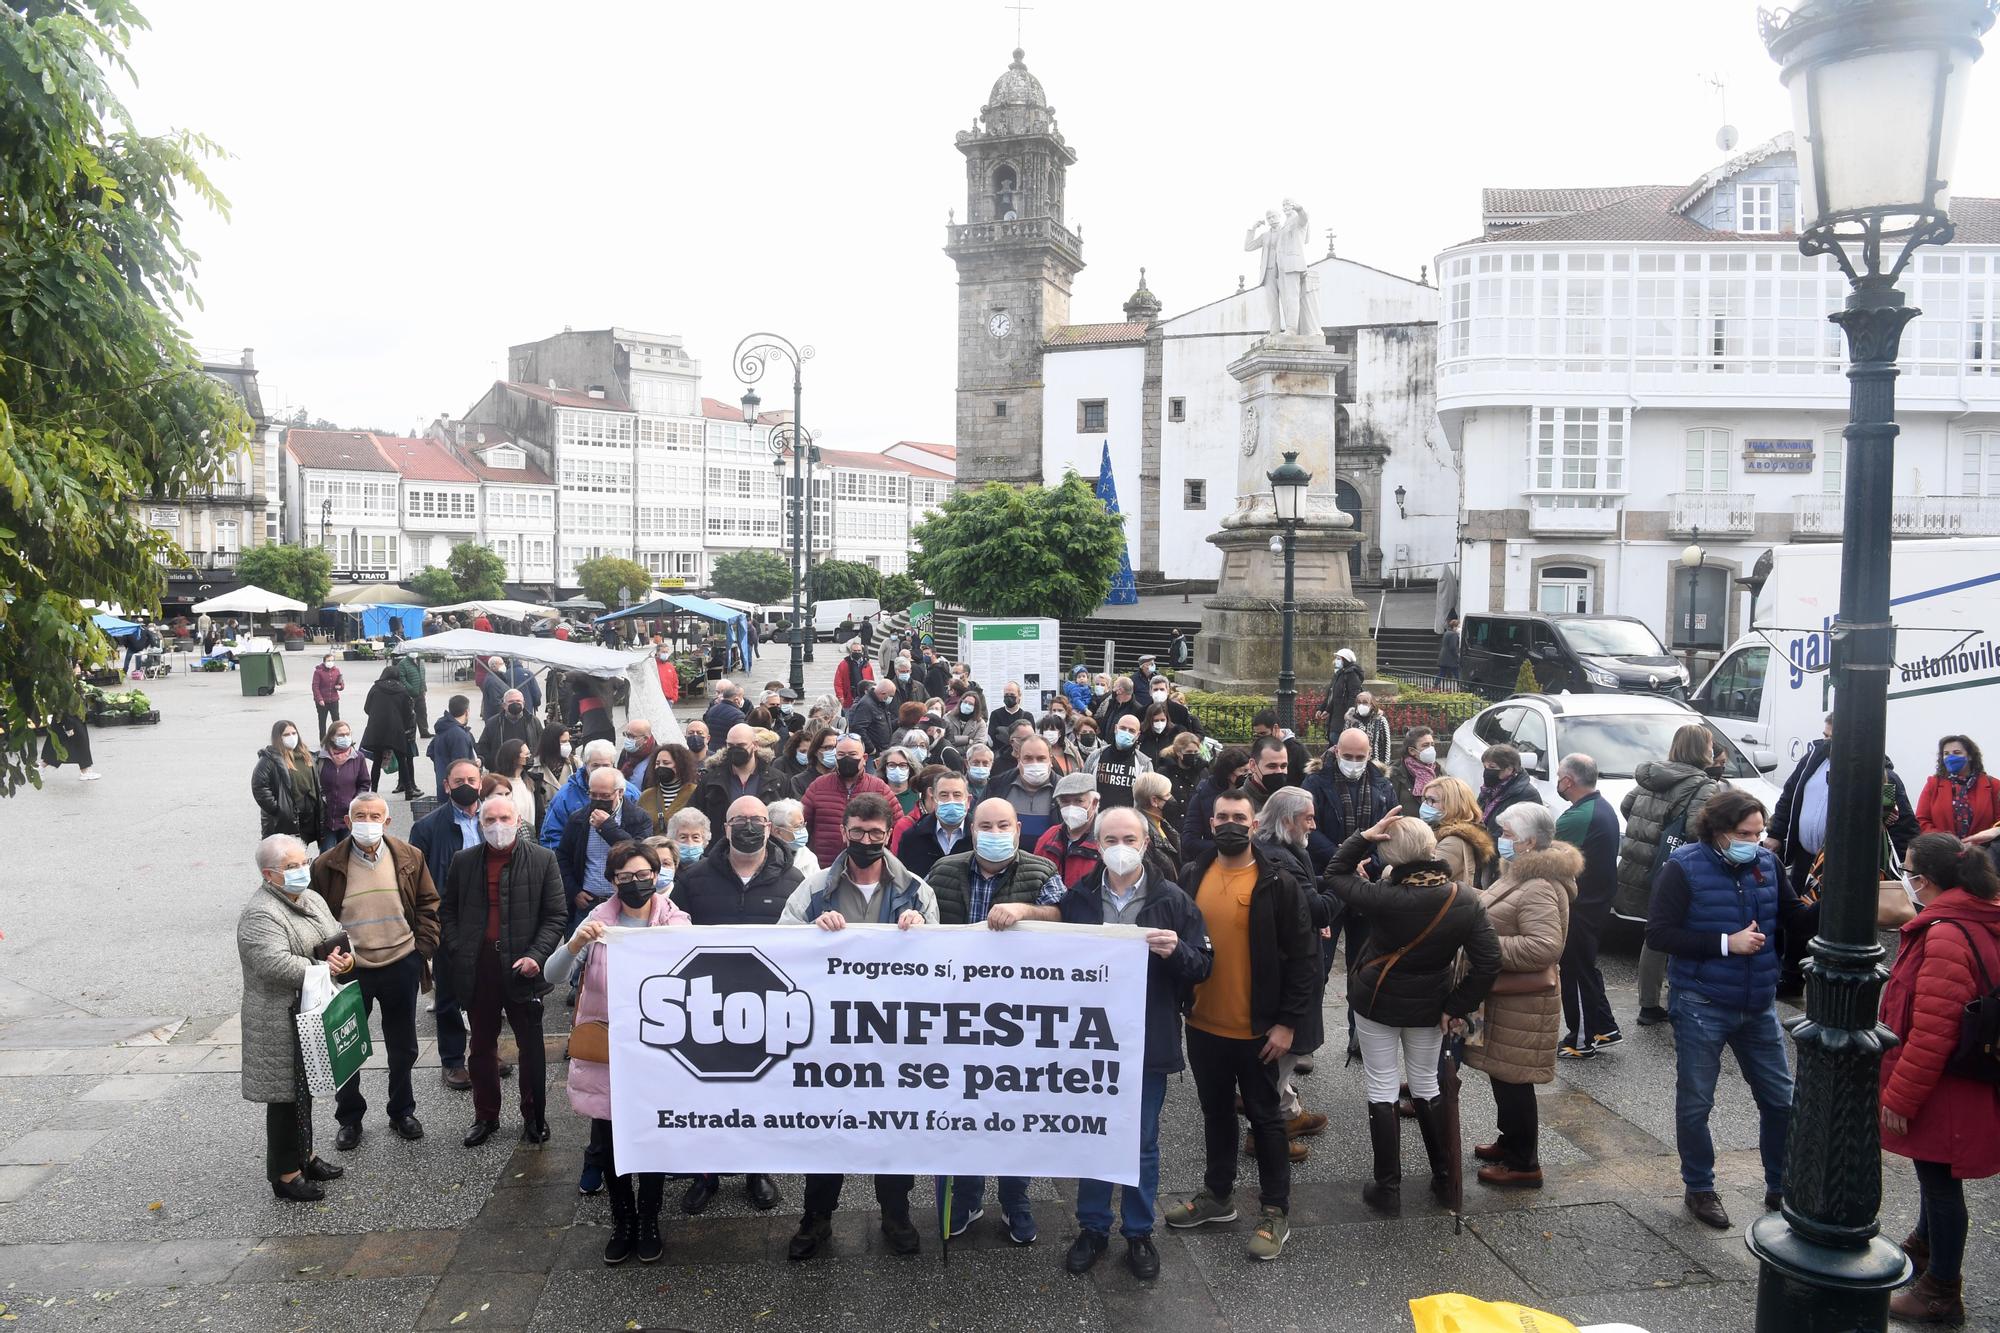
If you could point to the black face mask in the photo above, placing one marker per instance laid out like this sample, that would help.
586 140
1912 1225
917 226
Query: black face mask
739 755
1275 781
1232 839
601 803
747 838
864 853
465 796
514 710
1013 700
847 766
1716 769
1491 780
696 744
637 895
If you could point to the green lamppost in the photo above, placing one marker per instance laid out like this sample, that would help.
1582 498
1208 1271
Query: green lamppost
1288 496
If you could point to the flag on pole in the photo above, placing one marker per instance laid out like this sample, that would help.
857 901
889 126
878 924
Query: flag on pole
1124 589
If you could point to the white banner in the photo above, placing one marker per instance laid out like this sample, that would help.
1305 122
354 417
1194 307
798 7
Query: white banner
871 1050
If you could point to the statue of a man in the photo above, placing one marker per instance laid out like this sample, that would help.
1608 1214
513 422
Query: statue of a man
1288 286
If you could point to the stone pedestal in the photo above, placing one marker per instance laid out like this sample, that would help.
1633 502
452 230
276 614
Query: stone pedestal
1288 403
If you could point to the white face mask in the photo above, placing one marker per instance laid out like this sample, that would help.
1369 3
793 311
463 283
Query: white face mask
1361 710
289 740
1075 817
563 749
1052 736
1910 887
1353 768
367 832
1122 860
1428 755
1035 774
1159 726
499 836
1159 696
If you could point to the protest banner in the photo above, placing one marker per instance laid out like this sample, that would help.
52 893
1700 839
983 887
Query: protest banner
873 1050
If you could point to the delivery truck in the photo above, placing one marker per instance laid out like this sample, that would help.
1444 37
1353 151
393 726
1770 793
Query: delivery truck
1772 689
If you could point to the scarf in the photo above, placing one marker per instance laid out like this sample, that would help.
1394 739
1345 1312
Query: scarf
1421 774
1961 803
629 762
1357 804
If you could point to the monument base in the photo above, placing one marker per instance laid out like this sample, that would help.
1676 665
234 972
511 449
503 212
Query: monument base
1242 627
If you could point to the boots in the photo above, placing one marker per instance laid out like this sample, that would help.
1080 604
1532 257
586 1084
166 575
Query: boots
1919 1251
624 1221
648 1245
1430 1122
1929 1301
1385 1192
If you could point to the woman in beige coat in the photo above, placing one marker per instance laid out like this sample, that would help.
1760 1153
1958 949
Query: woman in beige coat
1452 811
1529 908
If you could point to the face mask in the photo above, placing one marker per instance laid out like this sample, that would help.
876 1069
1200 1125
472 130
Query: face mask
1159 696
1428 755
563 749
637 895
604 803
979 772
1074 817
748 838
631 744
666 657
1097 691
918 754
1491 780
1035 774
696 744
798 840
1910 883
1160 727
1429 813
1506 849
688 853
1052 736
966 707
1126 740
995 847
499 836
1013 700
1276 781
951 813
739 755
1353 768
1716 769
289 740
1122 860
366 832
1742 853
864 853
1362 710
895 774
514 710
343 741
297 880
847 765
1232 839
1954 764
464 796
903 677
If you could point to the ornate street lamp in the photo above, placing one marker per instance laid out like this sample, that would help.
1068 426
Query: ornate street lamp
1877 94
749 360
786 439
1692 559
1288 498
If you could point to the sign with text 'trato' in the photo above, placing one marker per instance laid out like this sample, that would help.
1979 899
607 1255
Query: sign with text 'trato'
871 1050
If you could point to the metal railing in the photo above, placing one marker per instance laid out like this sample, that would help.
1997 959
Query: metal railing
1910 515
1713 512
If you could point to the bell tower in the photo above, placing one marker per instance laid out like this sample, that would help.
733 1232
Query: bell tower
1016 260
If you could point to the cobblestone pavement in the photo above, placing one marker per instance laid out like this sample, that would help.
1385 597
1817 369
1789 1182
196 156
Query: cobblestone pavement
132 1197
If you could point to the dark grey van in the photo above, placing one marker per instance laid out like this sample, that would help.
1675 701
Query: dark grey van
1578 653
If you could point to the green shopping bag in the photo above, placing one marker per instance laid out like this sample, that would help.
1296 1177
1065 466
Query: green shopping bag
333 1038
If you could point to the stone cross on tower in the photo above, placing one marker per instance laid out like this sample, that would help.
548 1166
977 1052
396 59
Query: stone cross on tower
1019 10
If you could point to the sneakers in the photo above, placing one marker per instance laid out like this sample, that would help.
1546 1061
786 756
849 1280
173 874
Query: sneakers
592 1179
1611 1038
1198 1208
1021 1228
1267 1242
1573 1051
965 1224
1652 1014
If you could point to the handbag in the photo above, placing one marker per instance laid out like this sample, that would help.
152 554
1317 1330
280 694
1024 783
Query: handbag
1390 960
1525 983
590 1041
1978 1054
1893 908
333 1031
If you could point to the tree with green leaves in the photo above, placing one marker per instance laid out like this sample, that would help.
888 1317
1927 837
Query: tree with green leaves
752 576
102 397
1020 551
604 577
898 591
481 575
833 579
303 573
436 586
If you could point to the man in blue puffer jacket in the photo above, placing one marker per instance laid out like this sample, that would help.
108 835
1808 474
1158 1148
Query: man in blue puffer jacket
1717 907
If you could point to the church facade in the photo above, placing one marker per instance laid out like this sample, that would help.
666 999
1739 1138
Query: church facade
1039 394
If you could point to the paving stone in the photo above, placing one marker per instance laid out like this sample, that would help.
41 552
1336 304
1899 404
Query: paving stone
260 1307
509 1250
1586 1249
131 1088
94 1265
50 1145
386 1254
491 1300
19 1182
289 1258
548 1206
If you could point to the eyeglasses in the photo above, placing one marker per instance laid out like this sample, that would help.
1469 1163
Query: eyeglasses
873 837
749 821
646 877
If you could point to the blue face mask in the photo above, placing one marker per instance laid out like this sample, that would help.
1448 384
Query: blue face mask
1429 813
802 757
979 772
1125 739
1954 764
298 879
828 758
995 847
951 813
1742 853
1506 849
688 853
897 773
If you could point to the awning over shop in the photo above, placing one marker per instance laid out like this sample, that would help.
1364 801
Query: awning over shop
736 624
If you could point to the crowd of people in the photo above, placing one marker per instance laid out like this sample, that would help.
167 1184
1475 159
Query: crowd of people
1469 920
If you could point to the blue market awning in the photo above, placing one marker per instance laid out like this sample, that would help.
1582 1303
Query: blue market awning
738 622
116 628
375 617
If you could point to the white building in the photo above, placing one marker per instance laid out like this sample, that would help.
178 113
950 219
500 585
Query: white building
343 493
1621 368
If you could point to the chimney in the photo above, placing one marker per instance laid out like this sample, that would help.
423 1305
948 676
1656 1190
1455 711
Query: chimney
596 391
249 358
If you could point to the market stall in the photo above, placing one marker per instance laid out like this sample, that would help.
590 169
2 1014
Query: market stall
646 699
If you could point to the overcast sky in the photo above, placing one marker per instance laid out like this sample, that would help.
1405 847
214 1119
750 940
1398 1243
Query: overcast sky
414 186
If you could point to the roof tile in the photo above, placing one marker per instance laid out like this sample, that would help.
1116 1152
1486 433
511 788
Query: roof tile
423 460
1093 335
569 397
336 450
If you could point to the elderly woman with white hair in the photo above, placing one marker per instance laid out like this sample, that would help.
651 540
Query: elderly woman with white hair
1529 908
788 830
283 930
1401 987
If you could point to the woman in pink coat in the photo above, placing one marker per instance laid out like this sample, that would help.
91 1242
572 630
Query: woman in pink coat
1945 1124
634 871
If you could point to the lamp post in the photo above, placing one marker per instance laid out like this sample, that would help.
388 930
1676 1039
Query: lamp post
1692 559
749 359
1288 497
788 438
325 526
1877 93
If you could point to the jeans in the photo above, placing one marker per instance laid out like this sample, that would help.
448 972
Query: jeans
1093 1197
892 1195
490 999
394 988
1395 1056
1652 976
450 1021
1701 1029
1223 1066
1520 1124
968 1193
1941 1219
1586 1011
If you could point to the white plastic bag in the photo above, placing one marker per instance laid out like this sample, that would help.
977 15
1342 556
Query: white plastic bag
315 993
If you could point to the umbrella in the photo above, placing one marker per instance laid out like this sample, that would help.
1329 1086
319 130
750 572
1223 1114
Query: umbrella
1448 1086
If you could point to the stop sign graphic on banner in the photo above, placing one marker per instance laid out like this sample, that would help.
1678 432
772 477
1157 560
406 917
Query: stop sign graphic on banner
725 1013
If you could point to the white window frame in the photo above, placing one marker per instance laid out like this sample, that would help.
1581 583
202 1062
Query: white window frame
1757 208
1705 461
1558 457
1980 464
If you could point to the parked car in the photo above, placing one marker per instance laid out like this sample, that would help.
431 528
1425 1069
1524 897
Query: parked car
1619 731
1577 654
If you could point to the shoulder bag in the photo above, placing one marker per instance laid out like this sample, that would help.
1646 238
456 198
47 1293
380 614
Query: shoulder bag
1390 960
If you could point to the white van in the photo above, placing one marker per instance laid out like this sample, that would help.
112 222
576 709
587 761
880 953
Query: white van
1772 690
828 614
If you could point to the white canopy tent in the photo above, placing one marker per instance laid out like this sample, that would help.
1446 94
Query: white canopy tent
247 600
506 610
638 670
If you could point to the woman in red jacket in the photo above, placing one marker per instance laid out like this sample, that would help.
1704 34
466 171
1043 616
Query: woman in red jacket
1943 1123
1961 798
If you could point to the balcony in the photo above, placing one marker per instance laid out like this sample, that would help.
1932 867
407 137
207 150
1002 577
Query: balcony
1909 516
1717 513
1573 514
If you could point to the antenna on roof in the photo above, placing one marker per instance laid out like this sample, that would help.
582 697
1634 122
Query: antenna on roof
1725 138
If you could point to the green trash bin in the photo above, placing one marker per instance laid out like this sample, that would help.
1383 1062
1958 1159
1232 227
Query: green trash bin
262 673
